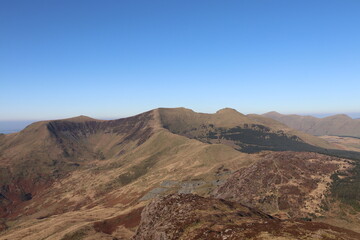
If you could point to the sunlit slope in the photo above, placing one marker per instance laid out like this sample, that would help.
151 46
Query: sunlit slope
81 176
308 138
46 152
338 125
251 133
116 185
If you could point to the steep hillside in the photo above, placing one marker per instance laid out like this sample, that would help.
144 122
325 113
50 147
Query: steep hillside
246 133
83 178
249 134
338 125
108 166
44 152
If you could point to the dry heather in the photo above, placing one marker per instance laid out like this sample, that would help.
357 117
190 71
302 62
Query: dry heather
83 178
188 216
288 184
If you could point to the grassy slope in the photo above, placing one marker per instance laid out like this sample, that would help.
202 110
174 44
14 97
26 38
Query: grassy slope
165 156
344 143
312 140
183 120
249 134
112 182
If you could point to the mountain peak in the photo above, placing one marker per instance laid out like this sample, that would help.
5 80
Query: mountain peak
227 111
336 125
80 118
343 116
273 113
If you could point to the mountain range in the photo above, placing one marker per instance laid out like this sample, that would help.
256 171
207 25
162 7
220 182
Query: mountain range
337 125
176 174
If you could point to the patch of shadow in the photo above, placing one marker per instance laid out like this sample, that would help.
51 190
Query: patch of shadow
129 220
346 187
253 138
26 197
74 164
43 217
3 225
3 197
77 235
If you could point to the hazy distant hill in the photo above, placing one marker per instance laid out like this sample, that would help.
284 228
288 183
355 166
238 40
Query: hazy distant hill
338 125
82 178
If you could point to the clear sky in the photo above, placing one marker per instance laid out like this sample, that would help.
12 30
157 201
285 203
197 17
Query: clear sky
108 59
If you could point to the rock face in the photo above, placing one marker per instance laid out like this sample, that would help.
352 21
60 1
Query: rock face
290 184
188 216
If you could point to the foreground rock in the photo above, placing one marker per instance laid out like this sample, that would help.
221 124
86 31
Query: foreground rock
188 216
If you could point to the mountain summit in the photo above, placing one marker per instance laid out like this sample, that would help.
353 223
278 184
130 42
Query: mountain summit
337 125
82 178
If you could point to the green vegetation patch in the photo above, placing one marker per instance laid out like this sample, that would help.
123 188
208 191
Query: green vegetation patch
77 235
137 170
253 138
347 188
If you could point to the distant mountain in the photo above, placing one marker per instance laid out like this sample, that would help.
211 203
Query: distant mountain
337 125
83 178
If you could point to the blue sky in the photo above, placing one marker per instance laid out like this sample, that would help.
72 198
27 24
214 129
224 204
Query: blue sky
109 59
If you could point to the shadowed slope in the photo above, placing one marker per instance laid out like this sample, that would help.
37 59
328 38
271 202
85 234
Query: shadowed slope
81 176
129 172
44 152
250 133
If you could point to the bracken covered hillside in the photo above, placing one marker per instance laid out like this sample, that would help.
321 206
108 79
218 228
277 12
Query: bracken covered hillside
192 217
83 178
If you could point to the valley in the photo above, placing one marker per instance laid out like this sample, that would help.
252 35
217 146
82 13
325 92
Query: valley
343 142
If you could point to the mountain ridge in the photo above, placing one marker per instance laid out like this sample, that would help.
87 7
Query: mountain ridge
63 178
338 125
